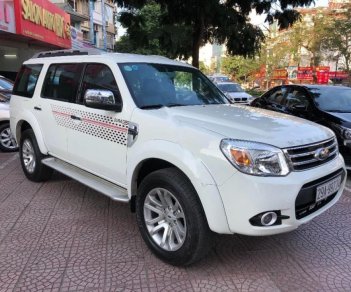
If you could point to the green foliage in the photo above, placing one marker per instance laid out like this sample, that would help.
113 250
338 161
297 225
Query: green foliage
240 68
338 39
185 26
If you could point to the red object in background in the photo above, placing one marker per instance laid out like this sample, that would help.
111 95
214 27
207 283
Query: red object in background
44 21
305 73
338 74
280 74
322 73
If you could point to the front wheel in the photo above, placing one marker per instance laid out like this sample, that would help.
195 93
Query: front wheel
7 141
31 158
171 219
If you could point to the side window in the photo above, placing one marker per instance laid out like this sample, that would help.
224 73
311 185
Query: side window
296 96
276 96
98 76
62 82
27 80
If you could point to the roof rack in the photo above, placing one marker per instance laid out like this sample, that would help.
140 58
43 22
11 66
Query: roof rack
60 53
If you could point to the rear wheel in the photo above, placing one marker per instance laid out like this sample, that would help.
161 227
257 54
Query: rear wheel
171 219
7 141
31 158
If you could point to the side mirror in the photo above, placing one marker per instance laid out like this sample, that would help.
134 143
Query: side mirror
102 99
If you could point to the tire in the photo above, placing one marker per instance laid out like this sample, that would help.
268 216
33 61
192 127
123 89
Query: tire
190 238
31 157
7 142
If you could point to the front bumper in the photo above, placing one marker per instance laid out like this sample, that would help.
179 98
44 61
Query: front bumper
245 196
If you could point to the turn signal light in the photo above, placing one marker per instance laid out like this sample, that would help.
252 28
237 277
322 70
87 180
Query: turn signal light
242 157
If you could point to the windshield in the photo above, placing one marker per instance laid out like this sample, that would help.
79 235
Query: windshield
157 85
333 99
230 87
4 84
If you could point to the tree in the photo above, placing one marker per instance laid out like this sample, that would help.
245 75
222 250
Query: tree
240 68
339 38
143 32
215 21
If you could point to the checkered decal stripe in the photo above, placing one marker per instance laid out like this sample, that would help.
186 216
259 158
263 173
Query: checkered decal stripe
100 126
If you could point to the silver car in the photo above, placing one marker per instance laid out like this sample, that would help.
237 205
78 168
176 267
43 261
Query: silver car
235 93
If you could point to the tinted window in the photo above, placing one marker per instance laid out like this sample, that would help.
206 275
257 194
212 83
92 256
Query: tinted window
332 98
164 85
296 96
26 80
62 82
98 76
276 96
5 84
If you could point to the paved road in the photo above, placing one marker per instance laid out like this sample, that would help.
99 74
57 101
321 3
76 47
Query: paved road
62 236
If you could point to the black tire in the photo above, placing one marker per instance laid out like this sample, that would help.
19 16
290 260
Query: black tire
7 144
39 171
198 238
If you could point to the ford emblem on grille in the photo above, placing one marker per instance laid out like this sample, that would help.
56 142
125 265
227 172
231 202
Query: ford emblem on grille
321 154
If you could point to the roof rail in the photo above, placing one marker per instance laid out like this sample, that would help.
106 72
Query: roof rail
60 53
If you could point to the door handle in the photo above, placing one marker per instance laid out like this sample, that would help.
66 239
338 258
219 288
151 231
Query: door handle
37 108
75 118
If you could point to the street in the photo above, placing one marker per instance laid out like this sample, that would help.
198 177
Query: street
63 236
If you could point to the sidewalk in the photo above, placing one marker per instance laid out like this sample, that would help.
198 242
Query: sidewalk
62 236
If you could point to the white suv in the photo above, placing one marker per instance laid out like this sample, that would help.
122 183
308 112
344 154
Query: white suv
158 134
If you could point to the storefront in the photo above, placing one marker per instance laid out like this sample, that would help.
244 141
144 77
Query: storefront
28 27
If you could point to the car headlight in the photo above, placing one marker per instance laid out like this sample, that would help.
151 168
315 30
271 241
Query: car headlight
255 158
344 132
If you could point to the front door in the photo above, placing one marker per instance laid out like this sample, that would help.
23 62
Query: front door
97 140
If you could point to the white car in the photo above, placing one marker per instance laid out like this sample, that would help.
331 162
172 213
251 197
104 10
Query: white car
158 134
235 93
7 141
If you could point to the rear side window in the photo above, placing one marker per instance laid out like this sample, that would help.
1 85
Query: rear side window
62 82
27 80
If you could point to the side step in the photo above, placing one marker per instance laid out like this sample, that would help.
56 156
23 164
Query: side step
105 187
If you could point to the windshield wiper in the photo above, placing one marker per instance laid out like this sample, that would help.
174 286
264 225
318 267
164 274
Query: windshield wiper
338 111
157 106
152 106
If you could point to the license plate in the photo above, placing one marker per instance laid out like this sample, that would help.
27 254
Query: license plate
327 189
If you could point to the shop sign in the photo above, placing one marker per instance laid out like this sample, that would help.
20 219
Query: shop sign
292 72
322 73
261 73
305 73
280 74
7 16
44 21
338 75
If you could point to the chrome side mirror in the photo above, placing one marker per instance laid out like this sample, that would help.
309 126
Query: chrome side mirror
102 99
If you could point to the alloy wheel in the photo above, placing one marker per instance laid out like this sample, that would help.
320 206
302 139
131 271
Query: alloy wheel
7 140
28 155
165 219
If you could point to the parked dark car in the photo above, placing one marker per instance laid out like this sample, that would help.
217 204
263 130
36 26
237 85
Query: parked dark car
326 105
6 86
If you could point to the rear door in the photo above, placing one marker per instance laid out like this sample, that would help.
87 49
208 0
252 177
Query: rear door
53 109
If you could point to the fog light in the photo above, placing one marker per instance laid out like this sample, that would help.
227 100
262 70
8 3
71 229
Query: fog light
269 218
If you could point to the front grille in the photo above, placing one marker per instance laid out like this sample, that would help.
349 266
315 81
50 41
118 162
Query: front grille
306 204
303 157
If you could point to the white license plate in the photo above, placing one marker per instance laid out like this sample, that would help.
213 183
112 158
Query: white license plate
327 189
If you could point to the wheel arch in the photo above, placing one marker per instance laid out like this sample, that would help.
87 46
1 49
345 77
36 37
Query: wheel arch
162 154
30 123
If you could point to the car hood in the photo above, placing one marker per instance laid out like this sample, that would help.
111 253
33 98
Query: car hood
238 94
254 124
342 116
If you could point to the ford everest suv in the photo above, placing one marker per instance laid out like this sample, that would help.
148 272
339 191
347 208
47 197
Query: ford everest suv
158 134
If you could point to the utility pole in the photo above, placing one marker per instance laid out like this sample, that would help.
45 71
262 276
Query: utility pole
103 15
91 21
